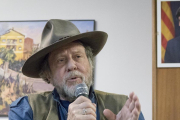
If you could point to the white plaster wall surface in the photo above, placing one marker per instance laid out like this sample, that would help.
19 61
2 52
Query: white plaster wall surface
125 63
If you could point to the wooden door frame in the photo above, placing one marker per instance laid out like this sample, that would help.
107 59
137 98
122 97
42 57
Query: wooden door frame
154 58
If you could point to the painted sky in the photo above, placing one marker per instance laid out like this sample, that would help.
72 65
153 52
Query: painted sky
84 26
33 29
29 29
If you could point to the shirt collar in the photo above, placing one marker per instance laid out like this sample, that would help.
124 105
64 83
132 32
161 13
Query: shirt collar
56 96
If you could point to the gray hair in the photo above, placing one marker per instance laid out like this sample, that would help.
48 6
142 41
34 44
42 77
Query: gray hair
45 72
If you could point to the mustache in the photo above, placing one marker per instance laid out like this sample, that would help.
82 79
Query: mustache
73 74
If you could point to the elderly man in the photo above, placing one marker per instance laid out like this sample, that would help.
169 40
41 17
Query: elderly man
65 60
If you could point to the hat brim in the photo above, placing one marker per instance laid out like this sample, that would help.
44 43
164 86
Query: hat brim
96 40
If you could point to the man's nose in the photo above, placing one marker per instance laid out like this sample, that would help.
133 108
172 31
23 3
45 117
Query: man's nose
71 65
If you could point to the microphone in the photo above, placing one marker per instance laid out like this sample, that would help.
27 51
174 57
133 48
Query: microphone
81 90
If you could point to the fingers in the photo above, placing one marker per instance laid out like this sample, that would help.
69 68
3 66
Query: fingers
82 108
131 95
135 114
131 106
136 111
137 104
131 109
83 102
89 111
128 102
87 105
85 111
133 99
109 114
134 106
81 99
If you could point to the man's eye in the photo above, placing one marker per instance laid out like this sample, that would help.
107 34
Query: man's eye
61 60
78 56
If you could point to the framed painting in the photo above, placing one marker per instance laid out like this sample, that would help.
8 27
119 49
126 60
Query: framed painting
168 33
18 41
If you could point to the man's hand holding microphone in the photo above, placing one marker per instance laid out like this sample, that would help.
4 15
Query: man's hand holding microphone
82 108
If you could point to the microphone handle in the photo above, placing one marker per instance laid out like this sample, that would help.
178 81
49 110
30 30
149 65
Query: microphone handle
85 95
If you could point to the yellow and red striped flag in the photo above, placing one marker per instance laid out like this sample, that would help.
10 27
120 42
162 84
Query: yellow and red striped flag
167 27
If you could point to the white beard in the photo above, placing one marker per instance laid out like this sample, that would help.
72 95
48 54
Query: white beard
67 92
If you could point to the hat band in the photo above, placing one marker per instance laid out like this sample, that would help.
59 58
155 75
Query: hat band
64 38
61 39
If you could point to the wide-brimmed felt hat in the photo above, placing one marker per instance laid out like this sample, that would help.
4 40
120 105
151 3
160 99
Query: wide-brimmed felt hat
56 34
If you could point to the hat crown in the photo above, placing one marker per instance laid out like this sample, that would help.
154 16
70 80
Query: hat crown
57 30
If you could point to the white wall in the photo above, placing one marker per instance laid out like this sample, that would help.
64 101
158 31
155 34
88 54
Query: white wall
125 63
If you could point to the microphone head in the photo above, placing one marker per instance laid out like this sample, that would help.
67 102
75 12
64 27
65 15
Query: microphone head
81 90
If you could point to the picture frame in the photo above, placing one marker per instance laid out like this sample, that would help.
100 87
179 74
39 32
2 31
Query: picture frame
18 41
168 32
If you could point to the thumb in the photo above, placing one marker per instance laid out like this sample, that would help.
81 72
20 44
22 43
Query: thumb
109 114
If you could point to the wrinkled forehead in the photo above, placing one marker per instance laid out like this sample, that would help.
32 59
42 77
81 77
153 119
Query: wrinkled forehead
73 46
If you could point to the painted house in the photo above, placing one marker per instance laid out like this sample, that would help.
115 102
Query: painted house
14 40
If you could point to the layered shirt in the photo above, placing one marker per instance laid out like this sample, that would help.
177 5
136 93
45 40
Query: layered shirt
21 109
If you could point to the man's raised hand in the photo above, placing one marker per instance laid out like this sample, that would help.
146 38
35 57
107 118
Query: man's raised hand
130 110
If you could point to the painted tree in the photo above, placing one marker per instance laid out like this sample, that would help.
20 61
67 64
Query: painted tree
7 55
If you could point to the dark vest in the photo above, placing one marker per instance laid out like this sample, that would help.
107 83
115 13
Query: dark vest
45 108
